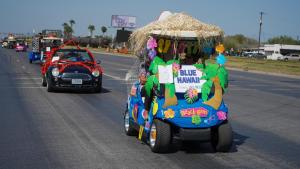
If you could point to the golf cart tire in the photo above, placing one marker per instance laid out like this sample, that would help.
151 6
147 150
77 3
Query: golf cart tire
222 137
163 137
131 130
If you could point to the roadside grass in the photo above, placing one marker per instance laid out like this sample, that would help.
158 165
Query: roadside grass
270 66
247 64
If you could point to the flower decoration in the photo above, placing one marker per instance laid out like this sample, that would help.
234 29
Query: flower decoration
220 48
151 54
191 95
175 67
151 43
169 114
134 112
196 119
145 114
221 115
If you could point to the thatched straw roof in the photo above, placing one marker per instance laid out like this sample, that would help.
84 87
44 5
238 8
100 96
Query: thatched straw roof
175 25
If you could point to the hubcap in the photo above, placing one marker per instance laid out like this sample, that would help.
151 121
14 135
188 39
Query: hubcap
126 121
153 135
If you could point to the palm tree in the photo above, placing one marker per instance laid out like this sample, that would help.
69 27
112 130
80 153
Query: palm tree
103 29
72 22
91 28
67 30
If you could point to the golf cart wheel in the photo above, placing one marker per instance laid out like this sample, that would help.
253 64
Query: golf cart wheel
160 136
44 82
222 137
30 61
286 59
129 130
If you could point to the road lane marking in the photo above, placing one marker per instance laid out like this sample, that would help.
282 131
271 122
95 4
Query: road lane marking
114 77
26 78
22 87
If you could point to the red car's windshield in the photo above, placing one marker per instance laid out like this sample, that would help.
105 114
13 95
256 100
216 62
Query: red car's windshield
72 56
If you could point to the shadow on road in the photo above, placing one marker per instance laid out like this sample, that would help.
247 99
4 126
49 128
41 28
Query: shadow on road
82 91
196 147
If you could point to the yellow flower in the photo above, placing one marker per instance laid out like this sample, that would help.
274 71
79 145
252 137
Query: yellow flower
169 114
195 92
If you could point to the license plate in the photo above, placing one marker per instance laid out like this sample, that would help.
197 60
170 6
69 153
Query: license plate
77 81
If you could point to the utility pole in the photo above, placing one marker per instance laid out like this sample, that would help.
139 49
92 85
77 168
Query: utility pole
260 25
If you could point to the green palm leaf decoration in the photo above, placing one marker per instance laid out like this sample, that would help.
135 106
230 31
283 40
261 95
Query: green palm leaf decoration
150 83
154 64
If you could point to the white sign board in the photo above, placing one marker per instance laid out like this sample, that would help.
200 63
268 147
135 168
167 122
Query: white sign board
123 21
188 76
165 74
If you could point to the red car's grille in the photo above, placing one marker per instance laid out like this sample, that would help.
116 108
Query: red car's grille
82 76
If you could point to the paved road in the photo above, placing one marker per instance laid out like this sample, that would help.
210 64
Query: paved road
82 130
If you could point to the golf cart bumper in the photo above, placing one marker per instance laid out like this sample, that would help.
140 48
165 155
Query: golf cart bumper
193 116
203 134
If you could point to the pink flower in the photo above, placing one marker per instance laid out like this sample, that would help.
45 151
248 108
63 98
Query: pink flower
176 67
221 115
151 43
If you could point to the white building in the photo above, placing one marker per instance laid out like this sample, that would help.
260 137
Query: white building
278 50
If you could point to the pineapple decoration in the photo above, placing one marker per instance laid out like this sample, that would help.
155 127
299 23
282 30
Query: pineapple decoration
191 95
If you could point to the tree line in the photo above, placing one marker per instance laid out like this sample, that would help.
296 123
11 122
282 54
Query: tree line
240 41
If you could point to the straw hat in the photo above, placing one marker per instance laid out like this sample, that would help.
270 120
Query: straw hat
178 26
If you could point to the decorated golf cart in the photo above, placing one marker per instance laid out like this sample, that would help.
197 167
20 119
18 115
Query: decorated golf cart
185 90
43 43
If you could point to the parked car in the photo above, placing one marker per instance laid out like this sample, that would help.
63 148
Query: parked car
259 56
291 56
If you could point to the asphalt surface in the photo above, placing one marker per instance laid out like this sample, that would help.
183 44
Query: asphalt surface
85 130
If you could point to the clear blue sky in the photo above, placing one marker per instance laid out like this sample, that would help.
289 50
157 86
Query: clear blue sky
234 16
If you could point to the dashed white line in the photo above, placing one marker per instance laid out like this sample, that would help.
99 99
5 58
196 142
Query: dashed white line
114 77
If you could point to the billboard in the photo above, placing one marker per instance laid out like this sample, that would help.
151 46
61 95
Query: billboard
123 21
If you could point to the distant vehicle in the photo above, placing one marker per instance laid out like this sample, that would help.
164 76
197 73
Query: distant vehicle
11 44
259 56
71 69
21 47
43 43
4 44
291 56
